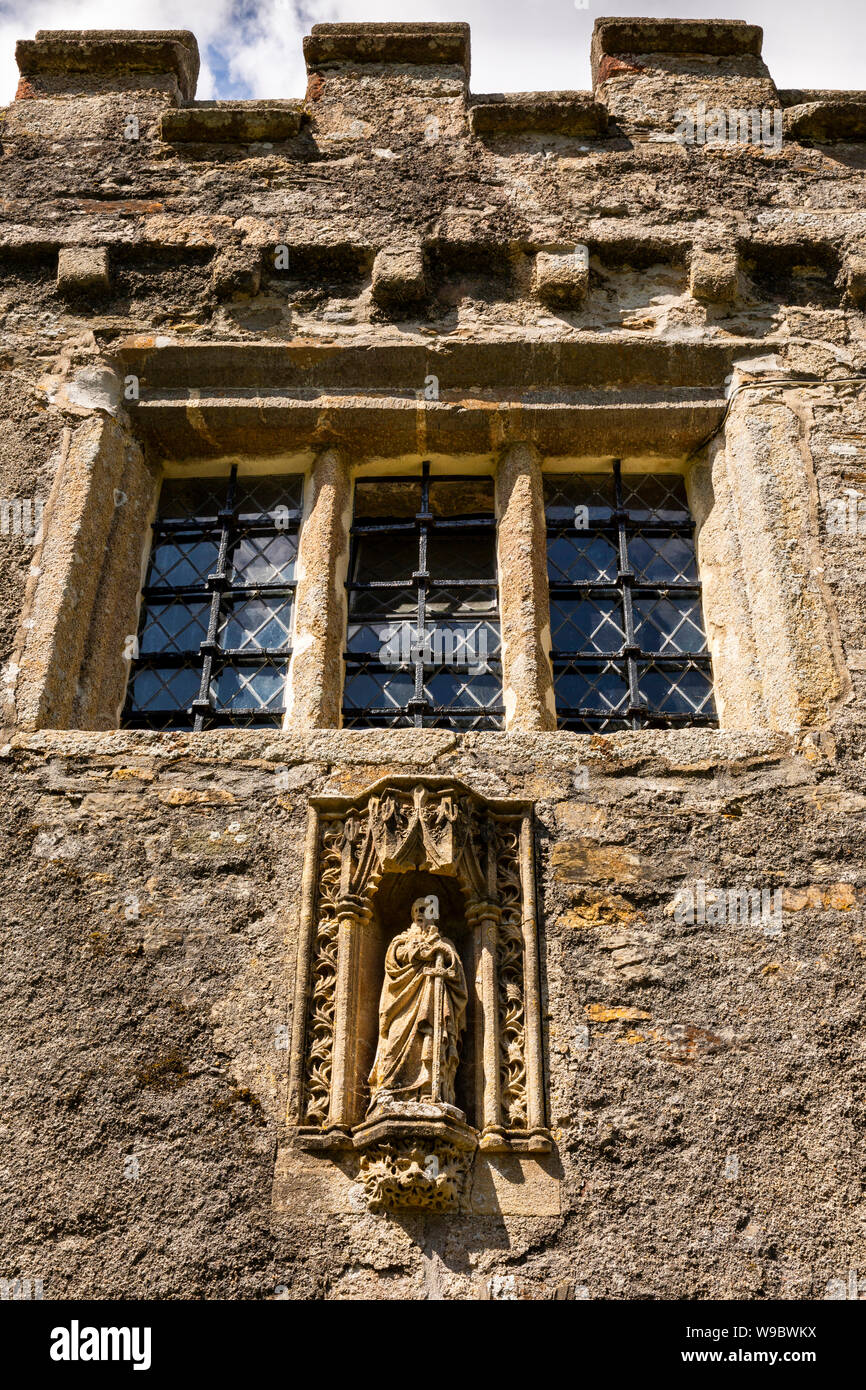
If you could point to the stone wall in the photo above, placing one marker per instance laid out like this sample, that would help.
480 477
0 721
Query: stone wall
703 1077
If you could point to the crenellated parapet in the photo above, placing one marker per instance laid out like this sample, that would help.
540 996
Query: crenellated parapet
389 192
644 73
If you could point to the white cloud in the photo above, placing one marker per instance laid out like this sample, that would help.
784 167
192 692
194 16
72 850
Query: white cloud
246 49
252 48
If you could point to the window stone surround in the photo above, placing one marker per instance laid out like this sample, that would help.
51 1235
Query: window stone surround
772 632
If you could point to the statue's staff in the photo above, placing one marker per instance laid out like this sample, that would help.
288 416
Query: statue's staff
438 973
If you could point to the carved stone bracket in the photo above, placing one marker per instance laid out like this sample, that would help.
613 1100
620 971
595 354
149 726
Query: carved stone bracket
436 827
420 1160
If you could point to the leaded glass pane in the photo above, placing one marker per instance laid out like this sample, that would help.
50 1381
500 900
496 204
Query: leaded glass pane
175 626
461 644
624 585
656 497
182 562
593 685
464 720
586 624
461 499
461 689
572 499
161 688
269 498
268 559
589 559
255 622
423 643
680 689
390 601
191 499
669 625
378 689
378 560
215 539
387 499
660 559
468 598
451 555
371 638
249 685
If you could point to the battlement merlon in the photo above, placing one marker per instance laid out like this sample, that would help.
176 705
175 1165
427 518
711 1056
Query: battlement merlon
647 70
79 62
695 38
406 45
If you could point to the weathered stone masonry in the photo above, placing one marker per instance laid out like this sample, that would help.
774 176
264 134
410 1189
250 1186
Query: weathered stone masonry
387 271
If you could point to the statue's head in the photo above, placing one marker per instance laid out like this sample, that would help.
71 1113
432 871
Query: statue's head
425 911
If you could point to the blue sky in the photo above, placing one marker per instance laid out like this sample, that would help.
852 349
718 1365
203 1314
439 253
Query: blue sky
252 48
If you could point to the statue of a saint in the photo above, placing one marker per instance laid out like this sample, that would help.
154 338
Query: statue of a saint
421 1014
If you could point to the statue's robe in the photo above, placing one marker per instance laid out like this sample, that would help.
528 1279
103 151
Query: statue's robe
404 1057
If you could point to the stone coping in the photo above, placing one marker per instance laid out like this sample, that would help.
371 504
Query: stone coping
107 58
826 121
110 52
223 121
721 38
560 113
799 96
427 45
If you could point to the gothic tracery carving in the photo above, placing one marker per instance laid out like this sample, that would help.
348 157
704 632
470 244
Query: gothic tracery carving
511 979
444 830
320 1017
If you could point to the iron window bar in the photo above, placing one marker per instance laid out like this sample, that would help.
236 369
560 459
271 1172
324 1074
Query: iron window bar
420 709
218 591
628 589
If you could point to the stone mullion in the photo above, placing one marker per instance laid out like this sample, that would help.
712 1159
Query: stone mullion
316 677
524 604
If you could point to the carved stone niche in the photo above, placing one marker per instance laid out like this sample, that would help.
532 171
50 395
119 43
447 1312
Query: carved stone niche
417 1026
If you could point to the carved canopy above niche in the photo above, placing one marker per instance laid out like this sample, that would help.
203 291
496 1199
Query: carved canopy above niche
372 862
